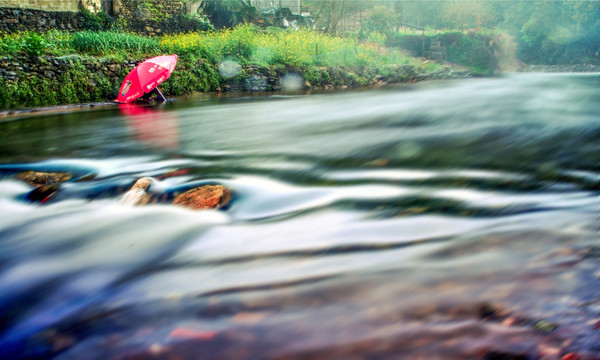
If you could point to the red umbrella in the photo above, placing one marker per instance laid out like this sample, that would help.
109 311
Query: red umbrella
145 77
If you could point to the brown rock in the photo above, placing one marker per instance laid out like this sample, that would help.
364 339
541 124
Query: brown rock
137 195
204 197
42 178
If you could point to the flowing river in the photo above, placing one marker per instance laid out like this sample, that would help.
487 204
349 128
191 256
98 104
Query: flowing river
438 220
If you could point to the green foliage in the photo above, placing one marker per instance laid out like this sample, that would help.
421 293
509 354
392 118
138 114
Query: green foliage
76 85
416 44
476 51
248 44
10 44
377 38
100 21
201 77
229 13
380 20
325 59
561 32
467 14
329 13
545 32
34 44
187 23
29 43
103 43
155 10
58 42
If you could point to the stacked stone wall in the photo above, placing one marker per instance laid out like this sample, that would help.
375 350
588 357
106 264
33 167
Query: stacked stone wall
150 17
22 19
16 68
47 5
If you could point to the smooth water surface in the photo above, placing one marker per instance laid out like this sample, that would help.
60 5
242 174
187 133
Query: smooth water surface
439 220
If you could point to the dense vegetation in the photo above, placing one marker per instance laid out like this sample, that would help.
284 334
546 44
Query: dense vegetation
246 44
544 32
477 34
304 51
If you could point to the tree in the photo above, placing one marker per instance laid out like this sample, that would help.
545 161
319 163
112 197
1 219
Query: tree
380 19
229 13
586 15
328 13
466 14
420 13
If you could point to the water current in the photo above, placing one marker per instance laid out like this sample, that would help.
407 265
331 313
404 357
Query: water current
437 220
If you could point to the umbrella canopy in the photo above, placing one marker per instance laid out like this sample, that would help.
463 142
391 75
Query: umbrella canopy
146 76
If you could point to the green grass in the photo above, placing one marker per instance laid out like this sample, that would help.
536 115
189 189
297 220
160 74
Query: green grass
106 43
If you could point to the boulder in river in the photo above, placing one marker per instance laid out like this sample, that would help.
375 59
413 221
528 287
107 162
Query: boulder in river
37 178
138 194
199 198
205 197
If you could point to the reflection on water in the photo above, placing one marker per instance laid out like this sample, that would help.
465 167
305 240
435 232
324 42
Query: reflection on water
151 126
449 220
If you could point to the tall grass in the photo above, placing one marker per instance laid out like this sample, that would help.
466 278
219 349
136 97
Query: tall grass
106 43
302 48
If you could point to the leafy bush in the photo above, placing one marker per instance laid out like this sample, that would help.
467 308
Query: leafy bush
416 44
477 51
474 51
10 44
100 21
29 43
34 44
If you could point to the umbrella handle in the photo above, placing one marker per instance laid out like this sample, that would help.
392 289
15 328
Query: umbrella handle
161 94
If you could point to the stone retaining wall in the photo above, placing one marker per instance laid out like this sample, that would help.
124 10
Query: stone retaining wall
13 69
14 19
151 17
47 5
148 17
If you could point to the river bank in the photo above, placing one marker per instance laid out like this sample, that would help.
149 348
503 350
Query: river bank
567 68
51 84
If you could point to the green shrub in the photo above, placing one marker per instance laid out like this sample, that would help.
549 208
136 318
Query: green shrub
100 21
11 44
475 51
34 44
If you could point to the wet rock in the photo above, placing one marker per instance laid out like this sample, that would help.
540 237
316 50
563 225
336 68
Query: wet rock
138 194
43 193
36 178
204 197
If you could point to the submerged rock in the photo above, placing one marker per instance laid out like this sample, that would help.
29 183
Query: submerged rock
205 197
36 178
43 193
